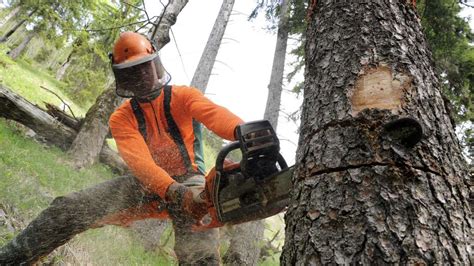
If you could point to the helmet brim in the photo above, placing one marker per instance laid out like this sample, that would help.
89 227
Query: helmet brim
131 62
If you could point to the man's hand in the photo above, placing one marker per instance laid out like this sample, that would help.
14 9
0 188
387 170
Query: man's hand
190 200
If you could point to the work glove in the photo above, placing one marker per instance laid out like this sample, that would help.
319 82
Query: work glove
189 200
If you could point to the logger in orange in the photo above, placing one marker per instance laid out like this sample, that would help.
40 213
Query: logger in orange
158 134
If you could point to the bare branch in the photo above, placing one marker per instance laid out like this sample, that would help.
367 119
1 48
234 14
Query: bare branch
65 104
179 53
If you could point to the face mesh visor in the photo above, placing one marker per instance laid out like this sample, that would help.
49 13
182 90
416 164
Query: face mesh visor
140 78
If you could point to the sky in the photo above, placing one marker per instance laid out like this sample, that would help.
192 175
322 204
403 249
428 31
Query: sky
241 74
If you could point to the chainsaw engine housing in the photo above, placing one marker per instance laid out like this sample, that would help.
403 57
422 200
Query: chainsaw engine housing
259 186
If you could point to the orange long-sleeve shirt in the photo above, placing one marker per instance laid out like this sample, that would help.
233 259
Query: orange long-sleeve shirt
157 159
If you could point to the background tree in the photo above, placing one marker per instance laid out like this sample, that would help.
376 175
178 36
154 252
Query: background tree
450 38
52 19
362 195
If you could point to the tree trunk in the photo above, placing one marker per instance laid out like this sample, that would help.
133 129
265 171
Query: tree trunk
360 197
84 150
245 244
14 107
272 110
15 53
12 13
149 232
208 57
244 247
62 70
7 35
86 146
161 34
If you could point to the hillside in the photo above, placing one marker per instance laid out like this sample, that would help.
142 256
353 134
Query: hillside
32 174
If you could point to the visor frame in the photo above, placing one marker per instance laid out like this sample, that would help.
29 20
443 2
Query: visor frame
122 88
135 62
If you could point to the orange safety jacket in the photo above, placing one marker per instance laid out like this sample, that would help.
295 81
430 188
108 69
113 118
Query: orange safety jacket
161 139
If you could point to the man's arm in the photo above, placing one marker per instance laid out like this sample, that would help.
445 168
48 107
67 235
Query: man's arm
215 117
136 154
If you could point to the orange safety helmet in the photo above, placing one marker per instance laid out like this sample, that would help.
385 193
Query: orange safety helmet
137 67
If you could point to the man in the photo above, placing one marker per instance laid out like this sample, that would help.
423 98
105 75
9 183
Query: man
158 136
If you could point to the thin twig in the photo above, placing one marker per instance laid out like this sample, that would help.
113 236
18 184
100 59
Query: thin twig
134 6
113 28
179 53
153 35
144 10
69 107
466 4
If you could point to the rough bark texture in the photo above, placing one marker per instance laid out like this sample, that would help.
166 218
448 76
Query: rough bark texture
208 58
358 196
16 52
88 143
14 107
161 34
272 110
245 244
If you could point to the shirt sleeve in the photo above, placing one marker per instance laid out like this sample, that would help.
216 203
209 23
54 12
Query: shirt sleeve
135 152
215 117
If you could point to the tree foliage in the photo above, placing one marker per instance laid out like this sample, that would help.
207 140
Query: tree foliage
451 41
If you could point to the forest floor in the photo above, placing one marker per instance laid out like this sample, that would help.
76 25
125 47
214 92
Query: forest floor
32 174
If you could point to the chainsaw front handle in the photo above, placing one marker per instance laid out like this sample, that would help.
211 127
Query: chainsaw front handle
223 154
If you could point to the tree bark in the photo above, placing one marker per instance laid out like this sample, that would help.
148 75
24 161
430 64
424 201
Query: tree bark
12 13
85 148
359 196
208 58
62 70
87 145
14 107
161 34
16 52
7 35
245 244
272 109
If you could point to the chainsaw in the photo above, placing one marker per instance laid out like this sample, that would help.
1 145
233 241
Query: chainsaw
256 188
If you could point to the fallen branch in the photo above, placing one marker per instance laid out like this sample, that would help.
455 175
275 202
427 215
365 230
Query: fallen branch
64 118
65 104
15 107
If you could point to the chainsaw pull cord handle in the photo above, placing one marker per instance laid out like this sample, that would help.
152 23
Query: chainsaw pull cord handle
223 154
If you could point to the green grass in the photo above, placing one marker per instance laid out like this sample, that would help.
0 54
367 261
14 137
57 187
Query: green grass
32 175
27 80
